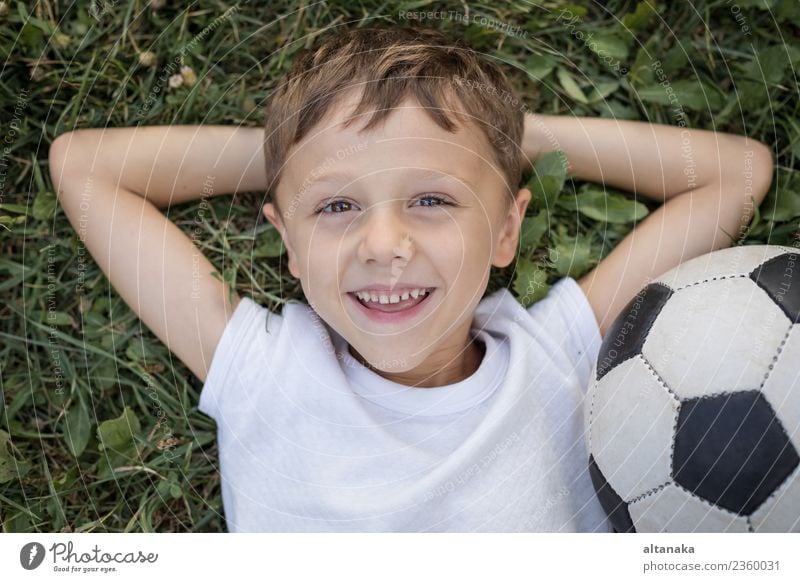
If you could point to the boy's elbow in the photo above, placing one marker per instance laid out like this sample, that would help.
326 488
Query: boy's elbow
756 172
746 171
761 163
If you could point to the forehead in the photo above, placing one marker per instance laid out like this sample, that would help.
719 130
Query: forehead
408 138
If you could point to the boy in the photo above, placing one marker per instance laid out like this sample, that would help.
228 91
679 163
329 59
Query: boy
399 399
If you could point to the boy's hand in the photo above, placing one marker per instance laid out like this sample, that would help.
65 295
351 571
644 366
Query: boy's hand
111 184
709 182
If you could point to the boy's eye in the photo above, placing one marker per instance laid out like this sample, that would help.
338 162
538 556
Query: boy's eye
438 201
334 204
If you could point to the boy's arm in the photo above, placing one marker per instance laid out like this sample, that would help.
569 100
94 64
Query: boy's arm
706 180
112 183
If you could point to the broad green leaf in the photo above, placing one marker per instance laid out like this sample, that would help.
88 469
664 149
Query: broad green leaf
687 93
605 205
570 86
608 46
616 110
7 471
44 206
641 73
271 244
105 375
602 90
551 164
567 12
783 203
10 467
768 65
138 350
539 66
549 175
533 227
64 481
641 17
31 35
794 52
796 145
545 190
163 487
19 522
18 208
42 25
773 63
788 10
170 487
571 256
57 318
118 433
752 94
94 323
77 428
530 282
8 220
675 59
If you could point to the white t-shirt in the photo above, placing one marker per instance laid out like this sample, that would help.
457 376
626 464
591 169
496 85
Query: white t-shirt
310 440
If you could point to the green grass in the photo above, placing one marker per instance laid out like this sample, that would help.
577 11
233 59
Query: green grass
71 363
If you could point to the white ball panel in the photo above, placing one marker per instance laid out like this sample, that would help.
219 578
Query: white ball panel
731 261
779 513
782 388
715 337
672 509
633 418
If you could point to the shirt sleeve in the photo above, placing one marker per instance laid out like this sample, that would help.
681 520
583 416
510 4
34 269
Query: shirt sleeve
244 342
567 315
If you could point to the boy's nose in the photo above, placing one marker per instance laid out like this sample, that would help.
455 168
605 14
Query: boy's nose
386 239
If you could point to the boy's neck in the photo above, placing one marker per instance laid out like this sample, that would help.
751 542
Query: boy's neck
445 376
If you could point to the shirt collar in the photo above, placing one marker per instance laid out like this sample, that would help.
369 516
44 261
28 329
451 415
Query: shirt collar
437 401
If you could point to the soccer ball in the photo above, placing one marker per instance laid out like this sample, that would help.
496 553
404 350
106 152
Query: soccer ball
693 415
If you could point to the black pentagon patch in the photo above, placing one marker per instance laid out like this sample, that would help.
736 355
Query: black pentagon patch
780 278
731 450
616 509
626 336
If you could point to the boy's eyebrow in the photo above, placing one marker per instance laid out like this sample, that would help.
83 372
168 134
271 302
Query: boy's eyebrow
338 177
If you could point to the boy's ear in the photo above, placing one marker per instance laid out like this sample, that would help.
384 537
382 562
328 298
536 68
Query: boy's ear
508 238
271 213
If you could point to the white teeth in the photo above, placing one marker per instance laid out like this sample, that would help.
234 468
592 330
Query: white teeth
367 296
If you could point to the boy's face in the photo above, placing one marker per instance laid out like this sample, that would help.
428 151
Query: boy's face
379 226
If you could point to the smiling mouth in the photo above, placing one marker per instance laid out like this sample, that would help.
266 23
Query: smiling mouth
395 307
